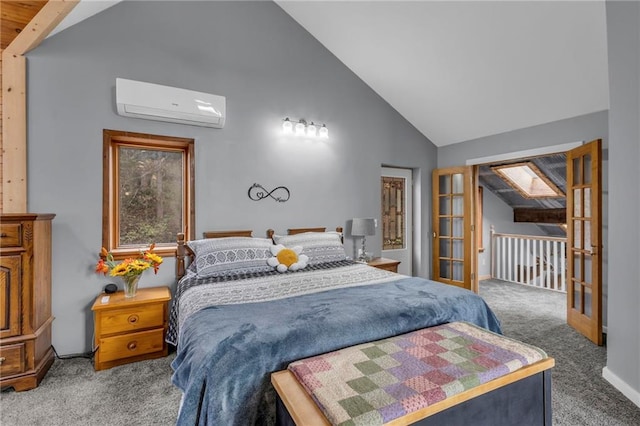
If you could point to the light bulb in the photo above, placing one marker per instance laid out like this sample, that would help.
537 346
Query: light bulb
311 130
324 132
300 127
287 126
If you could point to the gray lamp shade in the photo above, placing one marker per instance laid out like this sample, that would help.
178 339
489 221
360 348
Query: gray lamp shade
363 226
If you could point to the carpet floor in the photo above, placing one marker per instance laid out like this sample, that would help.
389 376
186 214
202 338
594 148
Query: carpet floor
580 395
72 393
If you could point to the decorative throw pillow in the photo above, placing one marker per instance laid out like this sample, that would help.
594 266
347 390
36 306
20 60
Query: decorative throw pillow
320 247
217 257
287 259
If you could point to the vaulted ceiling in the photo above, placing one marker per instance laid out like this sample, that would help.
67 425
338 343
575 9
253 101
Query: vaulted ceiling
462 70
456 70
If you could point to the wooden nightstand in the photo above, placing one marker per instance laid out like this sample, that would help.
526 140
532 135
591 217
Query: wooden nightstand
386 264
131 329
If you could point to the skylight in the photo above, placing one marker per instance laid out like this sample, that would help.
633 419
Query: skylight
528 180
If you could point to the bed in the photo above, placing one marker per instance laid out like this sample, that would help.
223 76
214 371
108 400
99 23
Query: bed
234 321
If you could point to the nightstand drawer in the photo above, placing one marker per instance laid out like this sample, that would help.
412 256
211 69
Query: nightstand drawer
132 318
386 264
12 358
10 235
392 268
132 344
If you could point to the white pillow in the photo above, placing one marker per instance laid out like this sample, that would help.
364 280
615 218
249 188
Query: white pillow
320 247
217 257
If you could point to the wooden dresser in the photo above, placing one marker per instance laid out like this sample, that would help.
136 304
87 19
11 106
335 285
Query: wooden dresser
25 299
131 329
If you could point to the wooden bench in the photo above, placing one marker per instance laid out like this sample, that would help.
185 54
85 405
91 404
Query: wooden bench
522 397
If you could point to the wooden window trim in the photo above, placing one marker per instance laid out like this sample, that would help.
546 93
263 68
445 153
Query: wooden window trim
112 139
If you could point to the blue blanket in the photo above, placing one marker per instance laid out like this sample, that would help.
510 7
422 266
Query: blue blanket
227 352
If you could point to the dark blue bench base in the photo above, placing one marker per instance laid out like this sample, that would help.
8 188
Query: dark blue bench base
526 402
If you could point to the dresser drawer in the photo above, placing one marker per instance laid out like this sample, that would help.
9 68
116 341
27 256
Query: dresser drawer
12 358
131 344
10 235
132 318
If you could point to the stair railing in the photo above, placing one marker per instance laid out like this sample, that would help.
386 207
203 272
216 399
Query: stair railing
530 260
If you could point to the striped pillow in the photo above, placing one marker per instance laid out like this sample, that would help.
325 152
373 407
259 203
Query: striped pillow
218 257
320 247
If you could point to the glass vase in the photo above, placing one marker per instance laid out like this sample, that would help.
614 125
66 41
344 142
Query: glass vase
130 284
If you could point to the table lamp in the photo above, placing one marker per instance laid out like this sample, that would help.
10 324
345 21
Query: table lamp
361 227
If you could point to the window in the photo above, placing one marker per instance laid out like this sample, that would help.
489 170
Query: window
528 180
148 192
393 215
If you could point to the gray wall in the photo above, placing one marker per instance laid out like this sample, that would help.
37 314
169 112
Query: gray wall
499 214
268 67
583 128
623 340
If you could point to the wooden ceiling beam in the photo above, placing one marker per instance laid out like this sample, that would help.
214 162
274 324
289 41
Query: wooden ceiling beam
15 16
14 103
41 25
532 215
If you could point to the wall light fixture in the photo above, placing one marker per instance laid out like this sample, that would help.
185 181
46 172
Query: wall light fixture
302 128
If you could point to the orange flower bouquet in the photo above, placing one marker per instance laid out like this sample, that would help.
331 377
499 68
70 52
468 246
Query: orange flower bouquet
129 269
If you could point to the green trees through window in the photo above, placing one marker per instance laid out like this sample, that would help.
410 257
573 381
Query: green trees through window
150 195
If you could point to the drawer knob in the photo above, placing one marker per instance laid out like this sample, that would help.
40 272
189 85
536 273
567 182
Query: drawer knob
132 345
3 235
133 319
2 359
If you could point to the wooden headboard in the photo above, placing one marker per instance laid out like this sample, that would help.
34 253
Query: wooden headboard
293 231
222 234
183 251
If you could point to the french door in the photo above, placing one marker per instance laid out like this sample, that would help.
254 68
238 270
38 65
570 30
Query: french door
584 246
453 215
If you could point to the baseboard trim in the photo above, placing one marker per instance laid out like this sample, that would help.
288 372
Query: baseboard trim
621 385
484 277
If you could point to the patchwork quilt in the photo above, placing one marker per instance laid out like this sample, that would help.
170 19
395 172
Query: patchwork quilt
374 383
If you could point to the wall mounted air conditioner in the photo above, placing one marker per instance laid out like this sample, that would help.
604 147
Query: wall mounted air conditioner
163 103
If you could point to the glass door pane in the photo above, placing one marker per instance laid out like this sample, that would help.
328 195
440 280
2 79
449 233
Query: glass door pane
583 241
452 215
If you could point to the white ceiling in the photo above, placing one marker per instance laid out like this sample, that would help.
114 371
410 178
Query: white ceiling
460 70
83 10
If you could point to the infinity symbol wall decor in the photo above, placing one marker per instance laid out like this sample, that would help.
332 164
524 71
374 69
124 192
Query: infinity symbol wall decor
257 192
